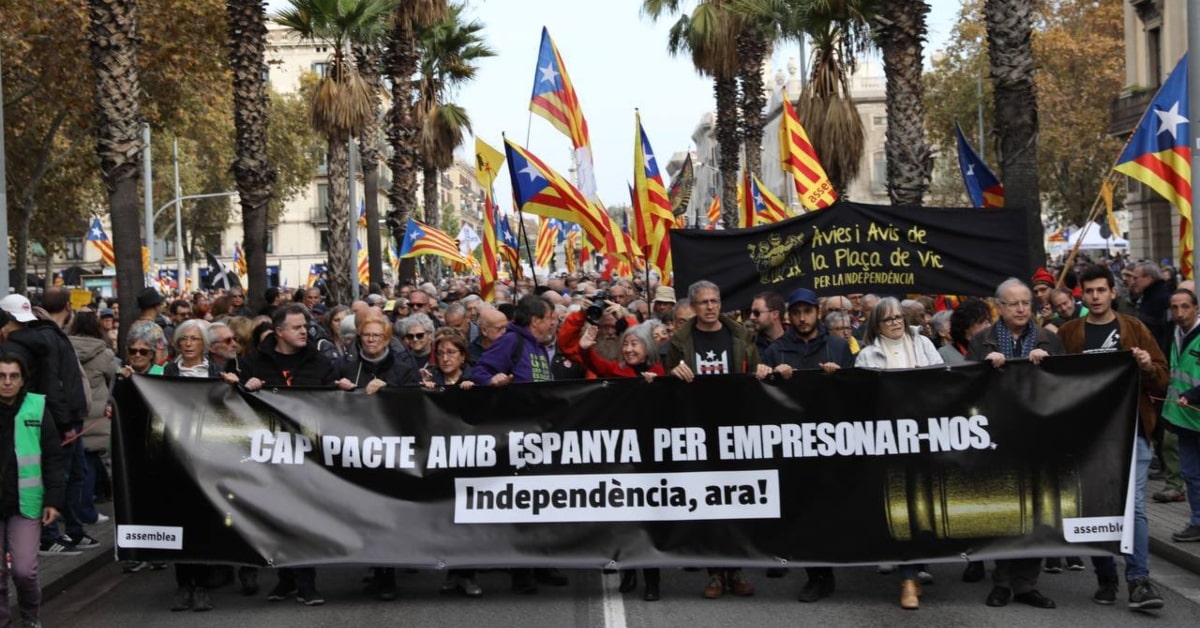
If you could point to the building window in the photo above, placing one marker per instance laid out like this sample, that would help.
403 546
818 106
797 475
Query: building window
320 68
169 247
324 240
1154 54
74 250
879 172
270 241
879 121
323 201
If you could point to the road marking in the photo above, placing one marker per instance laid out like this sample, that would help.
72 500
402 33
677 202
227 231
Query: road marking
614 602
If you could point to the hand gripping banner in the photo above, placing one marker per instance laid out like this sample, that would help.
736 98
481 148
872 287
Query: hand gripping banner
855 467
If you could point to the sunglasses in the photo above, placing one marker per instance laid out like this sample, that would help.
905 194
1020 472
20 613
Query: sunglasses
420 336
141 351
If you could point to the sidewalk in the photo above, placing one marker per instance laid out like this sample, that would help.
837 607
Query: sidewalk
60 573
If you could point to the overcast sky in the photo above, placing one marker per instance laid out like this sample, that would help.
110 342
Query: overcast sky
617 61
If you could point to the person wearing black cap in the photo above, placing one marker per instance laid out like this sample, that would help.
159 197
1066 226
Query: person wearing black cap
806 345
149 303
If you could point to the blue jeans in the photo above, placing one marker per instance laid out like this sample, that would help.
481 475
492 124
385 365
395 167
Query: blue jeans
87 503
1189 468
1137 564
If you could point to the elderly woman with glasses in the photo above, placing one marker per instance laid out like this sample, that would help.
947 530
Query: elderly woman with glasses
191 347
144 350
370 364
416 332
890 344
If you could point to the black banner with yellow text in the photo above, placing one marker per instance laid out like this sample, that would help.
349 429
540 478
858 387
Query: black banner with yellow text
852 247
855 467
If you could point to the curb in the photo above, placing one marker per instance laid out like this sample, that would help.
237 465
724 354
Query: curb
1172 553
97 560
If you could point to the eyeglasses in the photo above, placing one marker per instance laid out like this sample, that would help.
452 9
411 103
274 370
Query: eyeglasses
899 318
709 303
376 336
418 305
191 339
758 312
230 340
1024 303
140 351
10 377
449 353
420 336
839 328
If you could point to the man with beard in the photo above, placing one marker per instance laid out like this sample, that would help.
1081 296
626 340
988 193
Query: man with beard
608 341
806 346
766 313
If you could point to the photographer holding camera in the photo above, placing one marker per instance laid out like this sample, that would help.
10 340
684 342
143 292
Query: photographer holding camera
608 317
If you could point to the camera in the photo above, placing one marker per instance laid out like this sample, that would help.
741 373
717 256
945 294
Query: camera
595 311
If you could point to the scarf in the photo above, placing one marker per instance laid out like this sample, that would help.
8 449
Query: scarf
1008 345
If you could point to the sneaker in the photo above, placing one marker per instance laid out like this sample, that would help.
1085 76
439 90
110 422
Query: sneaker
1187 535
1075 563
469 587
974 572
1143 595
1168 495
309 597
59 547
100 518
282 591
134 566
924 577
1106 594
1053 565
715 588
85 542
200 600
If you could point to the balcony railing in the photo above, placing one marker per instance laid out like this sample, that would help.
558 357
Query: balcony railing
1125 111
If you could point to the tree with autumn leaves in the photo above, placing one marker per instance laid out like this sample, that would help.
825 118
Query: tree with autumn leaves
1078 47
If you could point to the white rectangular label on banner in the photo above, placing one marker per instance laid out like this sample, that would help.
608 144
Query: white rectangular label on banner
150 537
618 497
1091 529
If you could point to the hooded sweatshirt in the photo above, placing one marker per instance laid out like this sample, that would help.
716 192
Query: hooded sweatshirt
517 353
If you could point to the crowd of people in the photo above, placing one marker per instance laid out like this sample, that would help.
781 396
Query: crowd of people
58 365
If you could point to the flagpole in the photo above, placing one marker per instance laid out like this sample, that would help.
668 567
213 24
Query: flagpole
521 226
1193 91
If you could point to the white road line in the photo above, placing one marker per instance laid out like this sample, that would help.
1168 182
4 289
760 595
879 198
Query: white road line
614 602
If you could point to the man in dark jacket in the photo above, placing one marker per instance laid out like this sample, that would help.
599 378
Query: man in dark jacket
806 345
1016 335
287 359
26 431
713 344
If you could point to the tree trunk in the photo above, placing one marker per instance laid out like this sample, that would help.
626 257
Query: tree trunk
402 131
368 60
1010 50
113 44
728 142
21 256
429 190
909 160
341 249
752 50
252 166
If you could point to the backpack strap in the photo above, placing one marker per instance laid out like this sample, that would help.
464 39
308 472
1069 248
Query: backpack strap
516 354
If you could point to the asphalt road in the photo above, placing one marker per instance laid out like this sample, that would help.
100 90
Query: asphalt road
863 598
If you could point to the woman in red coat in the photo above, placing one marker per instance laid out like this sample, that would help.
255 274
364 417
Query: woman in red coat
638 358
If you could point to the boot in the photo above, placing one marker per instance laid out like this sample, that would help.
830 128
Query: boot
628 580
652 577
910 595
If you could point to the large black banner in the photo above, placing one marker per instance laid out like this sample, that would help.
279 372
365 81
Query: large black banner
852 247
855 467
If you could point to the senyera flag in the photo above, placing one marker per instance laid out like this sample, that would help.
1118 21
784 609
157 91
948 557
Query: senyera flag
799 158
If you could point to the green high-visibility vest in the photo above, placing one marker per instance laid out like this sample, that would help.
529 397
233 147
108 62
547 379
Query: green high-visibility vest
1185 375
155 369
28 432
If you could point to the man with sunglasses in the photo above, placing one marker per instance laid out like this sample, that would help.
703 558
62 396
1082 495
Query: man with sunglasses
766 313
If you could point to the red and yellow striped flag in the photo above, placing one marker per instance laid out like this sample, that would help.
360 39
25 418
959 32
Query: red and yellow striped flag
488 161
547 234
651 206
714 213
798 157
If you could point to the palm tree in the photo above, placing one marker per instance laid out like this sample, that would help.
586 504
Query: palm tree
900 31
252 167
369 61
1010 49
403 130
113 44
450 51
341 105
754 42
838 30
710 35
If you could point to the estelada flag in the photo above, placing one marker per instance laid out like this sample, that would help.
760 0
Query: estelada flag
1157 154
554 99
982 185
421 239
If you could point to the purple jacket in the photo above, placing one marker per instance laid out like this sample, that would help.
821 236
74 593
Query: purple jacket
516 352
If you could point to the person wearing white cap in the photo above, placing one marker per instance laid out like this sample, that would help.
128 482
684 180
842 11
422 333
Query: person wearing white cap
664 301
